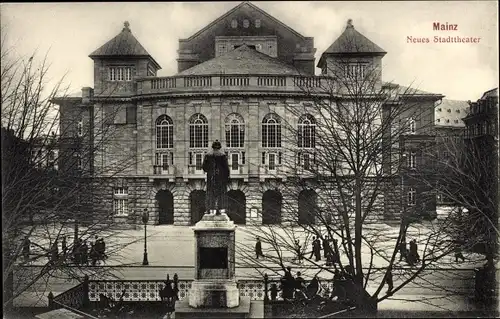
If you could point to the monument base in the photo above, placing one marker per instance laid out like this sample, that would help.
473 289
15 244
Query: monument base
184 311
214 294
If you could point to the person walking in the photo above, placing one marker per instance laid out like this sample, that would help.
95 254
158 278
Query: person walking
313 247
298 251
54 252
403 251
26 249
326 247
317 250
458 253
258 249
84 249
64 246
390 283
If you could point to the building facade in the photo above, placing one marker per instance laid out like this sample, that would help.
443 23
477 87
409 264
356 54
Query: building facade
236 79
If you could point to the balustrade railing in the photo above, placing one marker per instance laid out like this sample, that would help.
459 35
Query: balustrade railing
163 83
271 81
197 81
234 80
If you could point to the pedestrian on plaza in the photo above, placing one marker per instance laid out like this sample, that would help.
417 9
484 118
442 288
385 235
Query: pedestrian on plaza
317 250
313 247
258 249
458 253
176 286
298 251
403 251
326 246
390 283
26 249
64 246
336 256
76 251
274 292
414 251
54 252
84 250
94 254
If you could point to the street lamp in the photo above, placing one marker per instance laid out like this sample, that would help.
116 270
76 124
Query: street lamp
145 218
403 206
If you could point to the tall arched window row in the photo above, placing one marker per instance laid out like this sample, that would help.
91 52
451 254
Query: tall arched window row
164 132
198 131
235 131
306 131
271 131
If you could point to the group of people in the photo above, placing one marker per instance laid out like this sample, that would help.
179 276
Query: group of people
83 254
294 288
170 293
327 245
410 255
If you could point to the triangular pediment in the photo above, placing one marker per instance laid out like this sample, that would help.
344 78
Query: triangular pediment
245 10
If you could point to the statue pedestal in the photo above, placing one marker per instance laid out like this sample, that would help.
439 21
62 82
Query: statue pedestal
214 285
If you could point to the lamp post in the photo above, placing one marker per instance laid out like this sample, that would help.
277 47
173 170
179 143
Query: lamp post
403 206
145 218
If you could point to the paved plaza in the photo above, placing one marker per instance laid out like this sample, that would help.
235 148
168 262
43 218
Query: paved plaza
171 250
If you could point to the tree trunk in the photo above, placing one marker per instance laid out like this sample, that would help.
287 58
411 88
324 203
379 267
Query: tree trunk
358 227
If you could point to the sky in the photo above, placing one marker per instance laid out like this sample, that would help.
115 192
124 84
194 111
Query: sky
69 32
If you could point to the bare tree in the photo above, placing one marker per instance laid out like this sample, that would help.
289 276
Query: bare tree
50 185
353 148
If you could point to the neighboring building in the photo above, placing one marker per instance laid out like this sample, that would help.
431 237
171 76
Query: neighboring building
236 78
450 130
481 164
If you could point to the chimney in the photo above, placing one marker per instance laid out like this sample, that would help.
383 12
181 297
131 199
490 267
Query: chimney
87 93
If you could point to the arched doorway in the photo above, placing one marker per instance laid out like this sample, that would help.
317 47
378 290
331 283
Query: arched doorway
165 201
271 207
197 205
307 207
236 206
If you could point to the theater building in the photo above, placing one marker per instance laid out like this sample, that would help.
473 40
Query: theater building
236 76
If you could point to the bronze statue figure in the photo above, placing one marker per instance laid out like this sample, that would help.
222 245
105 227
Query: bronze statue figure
215 164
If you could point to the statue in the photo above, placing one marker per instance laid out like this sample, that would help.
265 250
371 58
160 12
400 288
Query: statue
216 166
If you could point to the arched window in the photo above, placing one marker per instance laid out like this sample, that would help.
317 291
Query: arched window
164 132
271 131
235 130
198 131
306 131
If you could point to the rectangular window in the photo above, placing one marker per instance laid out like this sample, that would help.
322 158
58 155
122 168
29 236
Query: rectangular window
128 74
306 161
162 160
234 161
411 196
120 201
263 158
112 74
272 161
243 158
80 128
412 160
119 74
199 161
190 158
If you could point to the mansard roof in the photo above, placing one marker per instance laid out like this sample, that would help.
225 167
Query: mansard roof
123 45
242 60
451 112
